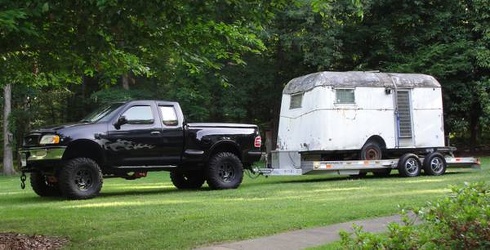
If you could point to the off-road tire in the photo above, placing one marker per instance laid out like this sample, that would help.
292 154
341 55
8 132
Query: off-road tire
80 178
409 165
42 187
435 164
187 180
224 171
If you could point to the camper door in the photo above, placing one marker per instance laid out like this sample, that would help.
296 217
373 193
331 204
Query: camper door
403 118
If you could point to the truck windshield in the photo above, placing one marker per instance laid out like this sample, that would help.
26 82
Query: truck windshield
102 113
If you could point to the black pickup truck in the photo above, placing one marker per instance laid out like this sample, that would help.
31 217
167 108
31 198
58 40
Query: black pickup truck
127 140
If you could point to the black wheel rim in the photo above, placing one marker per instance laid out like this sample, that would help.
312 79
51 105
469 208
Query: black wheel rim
436 164
83 179
412 165
226 172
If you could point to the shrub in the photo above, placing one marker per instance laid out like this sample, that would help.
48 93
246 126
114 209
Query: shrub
459 221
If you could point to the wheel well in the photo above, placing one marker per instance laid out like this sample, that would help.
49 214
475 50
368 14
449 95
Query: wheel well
84 148
226 147
377 139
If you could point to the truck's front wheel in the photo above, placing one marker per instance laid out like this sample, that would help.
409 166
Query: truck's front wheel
42 186
80 178
187 180
224 171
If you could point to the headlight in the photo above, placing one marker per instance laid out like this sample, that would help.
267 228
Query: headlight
49 139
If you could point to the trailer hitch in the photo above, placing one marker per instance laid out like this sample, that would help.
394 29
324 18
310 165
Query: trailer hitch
23 178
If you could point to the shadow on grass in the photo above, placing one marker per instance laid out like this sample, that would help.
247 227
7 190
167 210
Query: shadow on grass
106 194
336 178
136 191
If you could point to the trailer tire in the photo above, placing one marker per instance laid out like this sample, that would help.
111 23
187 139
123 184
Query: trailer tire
435 164
382 172
225 171
80 178
361 174
371 151
42 186
409 165
187 180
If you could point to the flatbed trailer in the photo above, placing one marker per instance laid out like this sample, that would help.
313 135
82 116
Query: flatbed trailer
289 163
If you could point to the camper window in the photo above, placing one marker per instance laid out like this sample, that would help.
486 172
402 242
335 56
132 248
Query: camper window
296 100
345 96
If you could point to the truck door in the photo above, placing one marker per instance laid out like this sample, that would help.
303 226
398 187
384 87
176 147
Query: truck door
139 140
403 118
172 132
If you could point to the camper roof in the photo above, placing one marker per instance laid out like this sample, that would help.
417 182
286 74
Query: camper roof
352 79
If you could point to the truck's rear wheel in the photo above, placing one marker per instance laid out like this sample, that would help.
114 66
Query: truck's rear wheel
435 164
409 165
80 178
187 180
224 171
42 186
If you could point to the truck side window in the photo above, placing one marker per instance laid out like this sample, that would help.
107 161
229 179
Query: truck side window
169 116
296 100
139 115
345 96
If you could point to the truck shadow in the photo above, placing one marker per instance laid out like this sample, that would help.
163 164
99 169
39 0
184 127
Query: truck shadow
136 192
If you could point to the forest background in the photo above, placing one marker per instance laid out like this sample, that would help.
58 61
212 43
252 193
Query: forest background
228 60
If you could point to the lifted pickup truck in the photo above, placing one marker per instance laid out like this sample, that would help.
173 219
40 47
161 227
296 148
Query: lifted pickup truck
127 140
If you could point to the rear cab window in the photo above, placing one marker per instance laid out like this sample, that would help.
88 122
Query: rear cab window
169 115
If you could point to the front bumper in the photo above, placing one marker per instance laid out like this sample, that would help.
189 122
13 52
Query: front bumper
30 157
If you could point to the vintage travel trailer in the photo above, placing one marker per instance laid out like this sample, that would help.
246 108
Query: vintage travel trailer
359 122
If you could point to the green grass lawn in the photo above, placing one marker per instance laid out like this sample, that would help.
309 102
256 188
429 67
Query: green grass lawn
150 213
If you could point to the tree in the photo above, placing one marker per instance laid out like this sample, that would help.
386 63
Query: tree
8 167
445 39
53 43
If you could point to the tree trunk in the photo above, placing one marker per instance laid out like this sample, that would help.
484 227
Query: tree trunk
125 82
8 166
475 114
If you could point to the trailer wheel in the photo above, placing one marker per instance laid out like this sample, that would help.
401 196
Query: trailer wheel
224 171
435 164
42 186
80 178
409 165
382 172
187 180
371 151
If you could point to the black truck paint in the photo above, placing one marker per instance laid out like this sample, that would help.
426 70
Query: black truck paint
129 139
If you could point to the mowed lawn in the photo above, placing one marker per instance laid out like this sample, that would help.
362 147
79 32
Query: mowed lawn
150 213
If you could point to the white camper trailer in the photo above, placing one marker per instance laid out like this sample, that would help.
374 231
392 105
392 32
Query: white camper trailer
359 122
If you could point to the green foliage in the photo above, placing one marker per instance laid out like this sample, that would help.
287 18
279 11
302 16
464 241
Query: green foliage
459 221
229 60
110 95
463 219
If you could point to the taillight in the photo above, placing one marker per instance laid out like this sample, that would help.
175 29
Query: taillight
258 141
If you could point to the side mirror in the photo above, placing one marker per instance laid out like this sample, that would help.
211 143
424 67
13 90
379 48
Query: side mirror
121 121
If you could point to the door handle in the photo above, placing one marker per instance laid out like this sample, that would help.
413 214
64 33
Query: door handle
155 132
